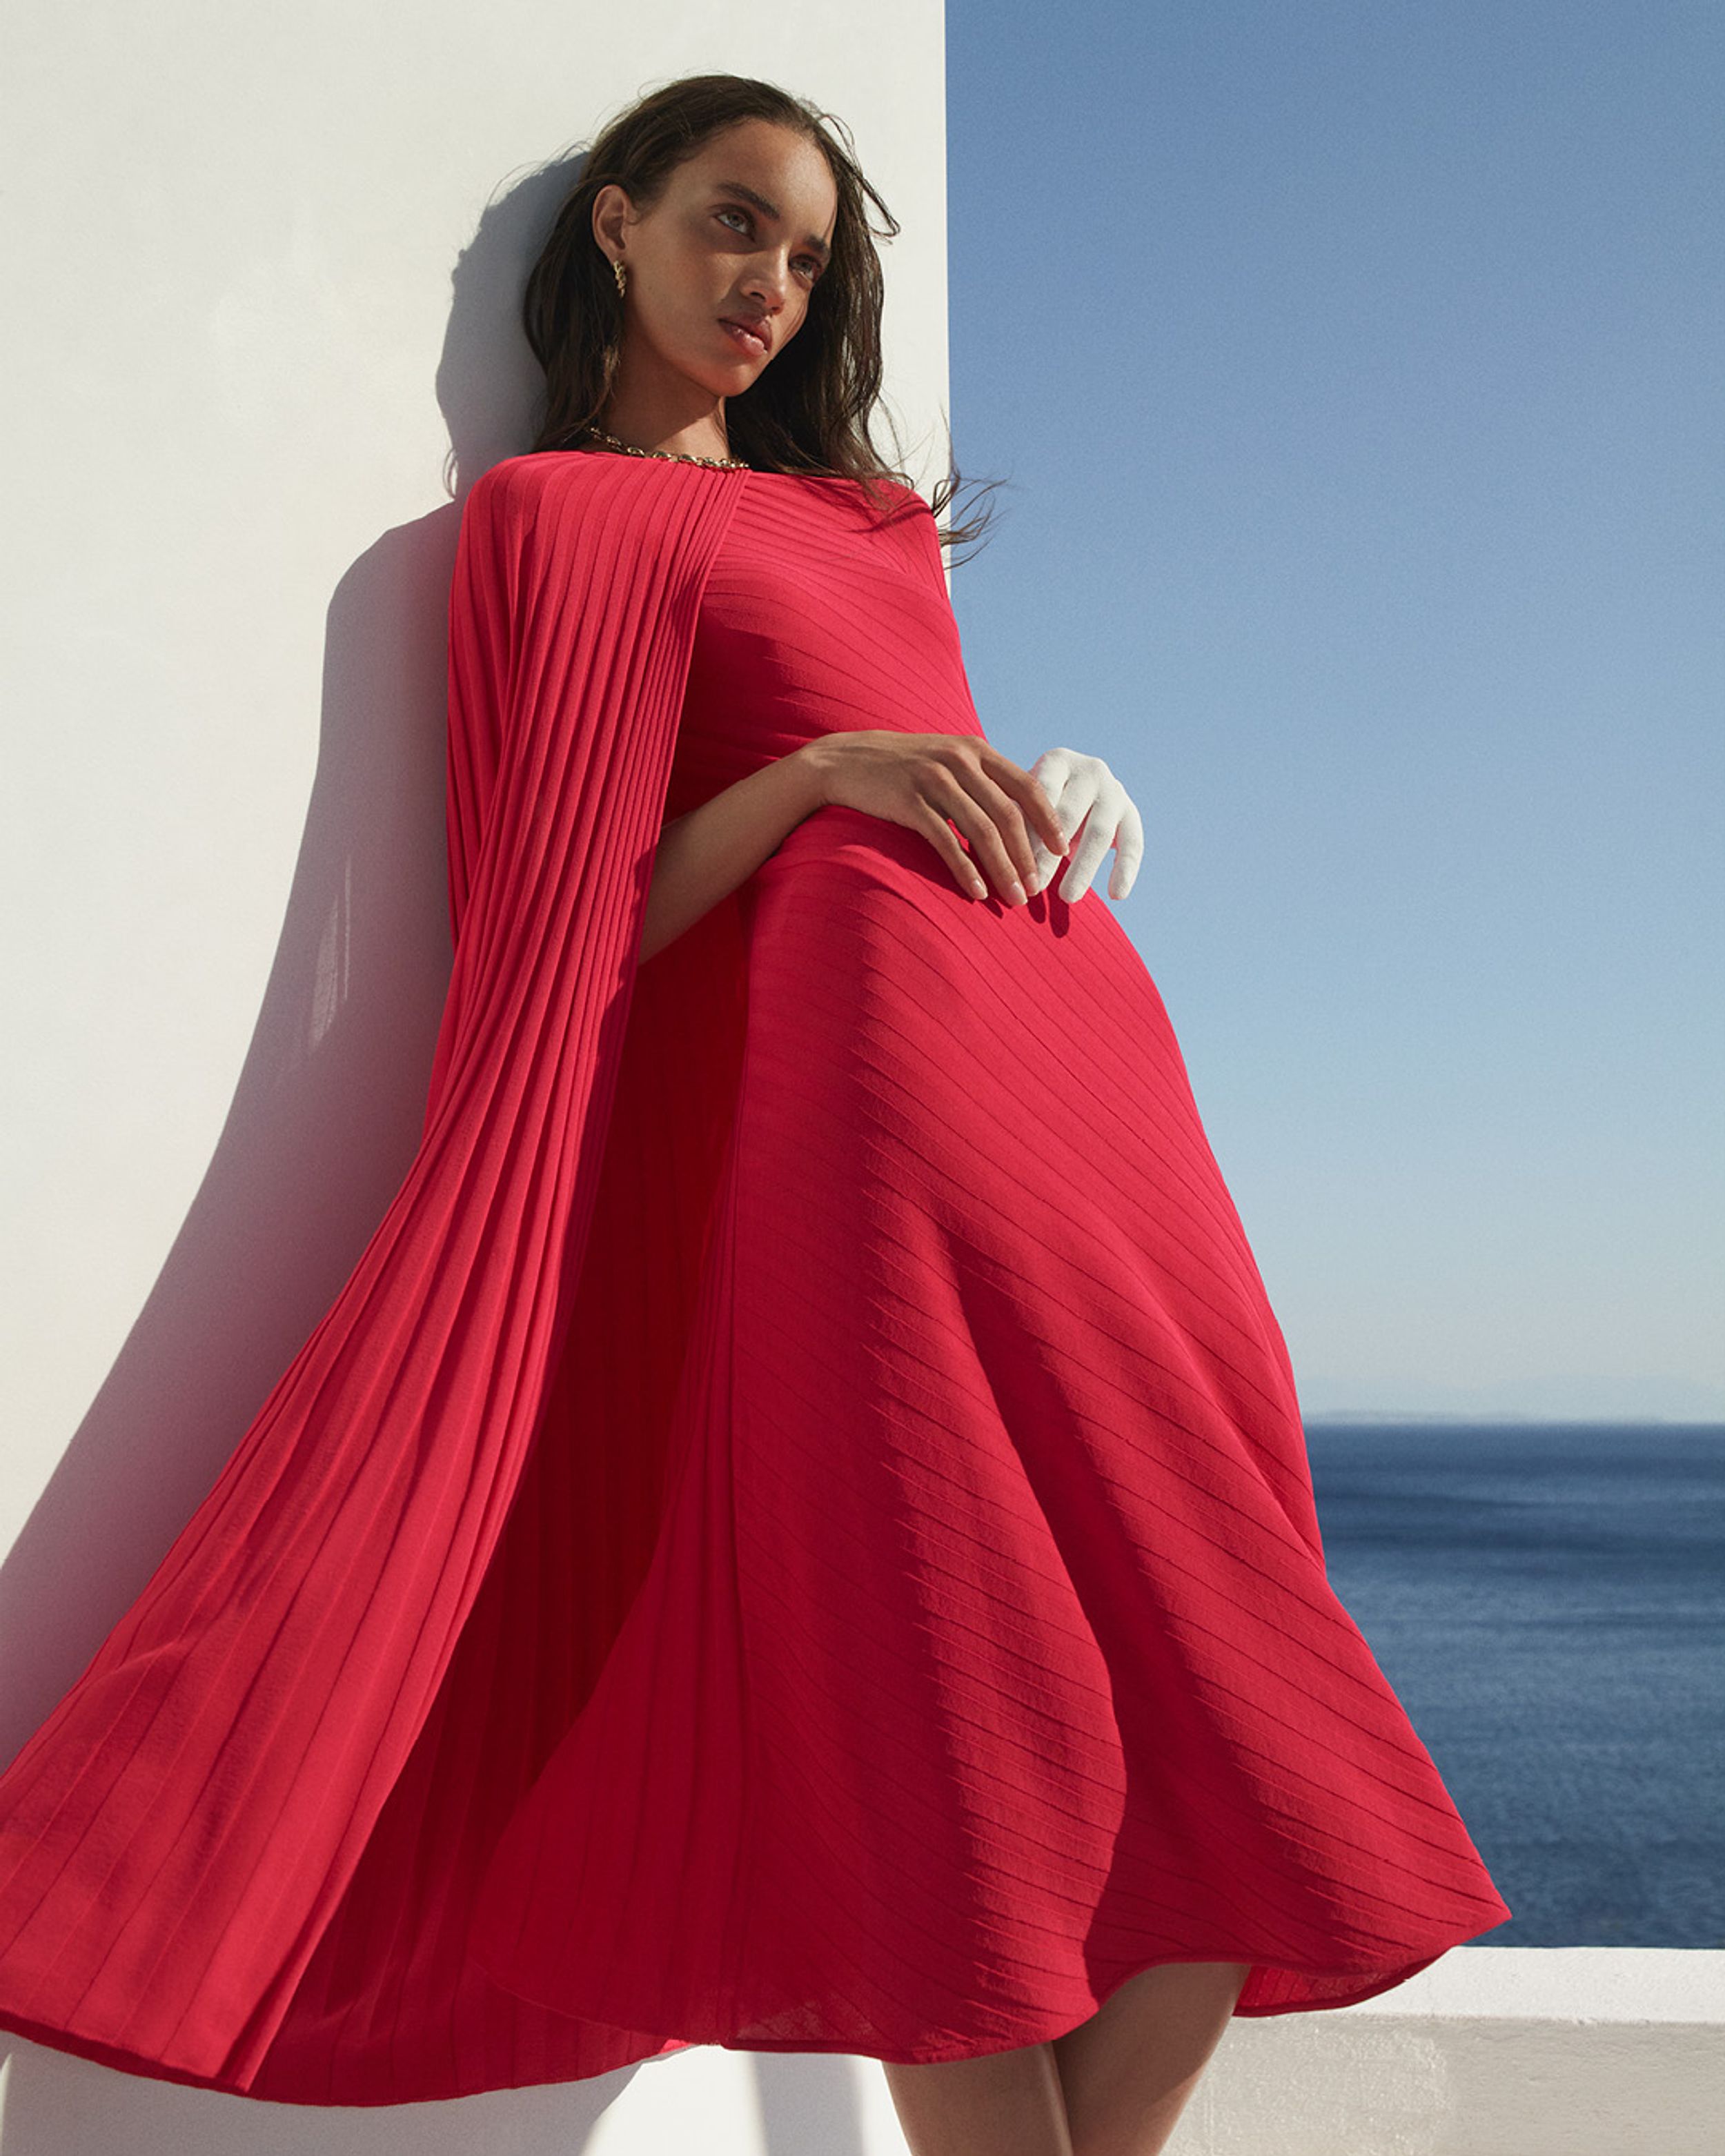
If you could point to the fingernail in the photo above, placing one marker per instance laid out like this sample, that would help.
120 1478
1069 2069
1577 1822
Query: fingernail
1017 889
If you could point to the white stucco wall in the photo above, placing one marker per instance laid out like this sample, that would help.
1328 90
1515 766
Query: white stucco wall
262 269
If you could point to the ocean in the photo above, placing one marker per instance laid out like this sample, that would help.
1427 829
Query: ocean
1548 1601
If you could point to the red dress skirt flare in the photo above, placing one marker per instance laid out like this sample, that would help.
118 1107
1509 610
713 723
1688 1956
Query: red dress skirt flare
797 1534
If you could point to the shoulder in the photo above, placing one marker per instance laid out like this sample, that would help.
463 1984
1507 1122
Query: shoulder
535 474
876 490
568 492
897 511
911 514
520 482
900 494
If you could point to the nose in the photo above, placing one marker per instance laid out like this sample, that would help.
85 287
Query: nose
768 281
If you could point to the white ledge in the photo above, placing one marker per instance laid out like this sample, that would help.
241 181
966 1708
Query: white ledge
1630 1984
1493 2051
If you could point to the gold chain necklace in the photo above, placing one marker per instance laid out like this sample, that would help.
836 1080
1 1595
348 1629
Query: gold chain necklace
675 456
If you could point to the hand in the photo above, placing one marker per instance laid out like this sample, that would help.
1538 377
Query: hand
1085 791
923 780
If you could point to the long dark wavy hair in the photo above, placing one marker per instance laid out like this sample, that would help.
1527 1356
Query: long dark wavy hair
810 410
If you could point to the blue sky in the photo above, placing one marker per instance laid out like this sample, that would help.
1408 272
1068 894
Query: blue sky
1356 371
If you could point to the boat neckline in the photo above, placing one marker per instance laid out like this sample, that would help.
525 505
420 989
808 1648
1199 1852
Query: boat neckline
749 471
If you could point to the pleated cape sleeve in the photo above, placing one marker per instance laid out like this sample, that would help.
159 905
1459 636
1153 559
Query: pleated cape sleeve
175 1838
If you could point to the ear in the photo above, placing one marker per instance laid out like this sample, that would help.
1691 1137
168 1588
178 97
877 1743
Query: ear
610 208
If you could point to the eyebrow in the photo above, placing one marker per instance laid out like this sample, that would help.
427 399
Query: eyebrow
772 210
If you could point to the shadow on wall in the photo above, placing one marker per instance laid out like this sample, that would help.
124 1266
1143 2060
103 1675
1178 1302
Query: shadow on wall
328 1108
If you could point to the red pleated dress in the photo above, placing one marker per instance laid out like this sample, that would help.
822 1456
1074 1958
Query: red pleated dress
807 1544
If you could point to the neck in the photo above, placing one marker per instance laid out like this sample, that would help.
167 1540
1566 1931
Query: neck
613 443
646 421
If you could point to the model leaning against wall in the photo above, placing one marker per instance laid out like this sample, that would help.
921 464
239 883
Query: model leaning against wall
797 1533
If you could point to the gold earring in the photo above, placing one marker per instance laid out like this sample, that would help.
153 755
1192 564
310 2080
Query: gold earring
621 275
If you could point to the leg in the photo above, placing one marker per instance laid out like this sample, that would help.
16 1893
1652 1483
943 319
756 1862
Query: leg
1127 2072
1005 2103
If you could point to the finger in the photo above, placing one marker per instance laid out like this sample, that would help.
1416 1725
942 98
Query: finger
1005 823
1093 843
941 836
1081 814
1001 834
1076 798
1034 793
1054 771
953 798
1129 852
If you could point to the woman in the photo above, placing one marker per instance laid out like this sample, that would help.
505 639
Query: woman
798 1534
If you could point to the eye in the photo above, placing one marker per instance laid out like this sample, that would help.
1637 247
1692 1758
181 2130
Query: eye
812 266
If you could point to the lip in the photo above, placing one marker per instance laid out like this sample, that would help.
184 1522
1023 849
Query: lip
750 331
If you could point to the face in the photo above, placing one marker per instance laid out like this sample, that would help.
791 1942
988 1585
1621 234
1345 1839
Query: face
742 233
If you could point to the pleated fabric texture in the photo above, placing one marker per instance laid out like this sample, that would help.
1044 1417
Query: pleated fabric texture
988 1654
798 1534
241 1850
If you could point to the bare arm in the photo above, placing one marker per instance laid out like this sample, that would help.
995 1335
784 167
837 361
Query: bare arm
703 856
928 782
